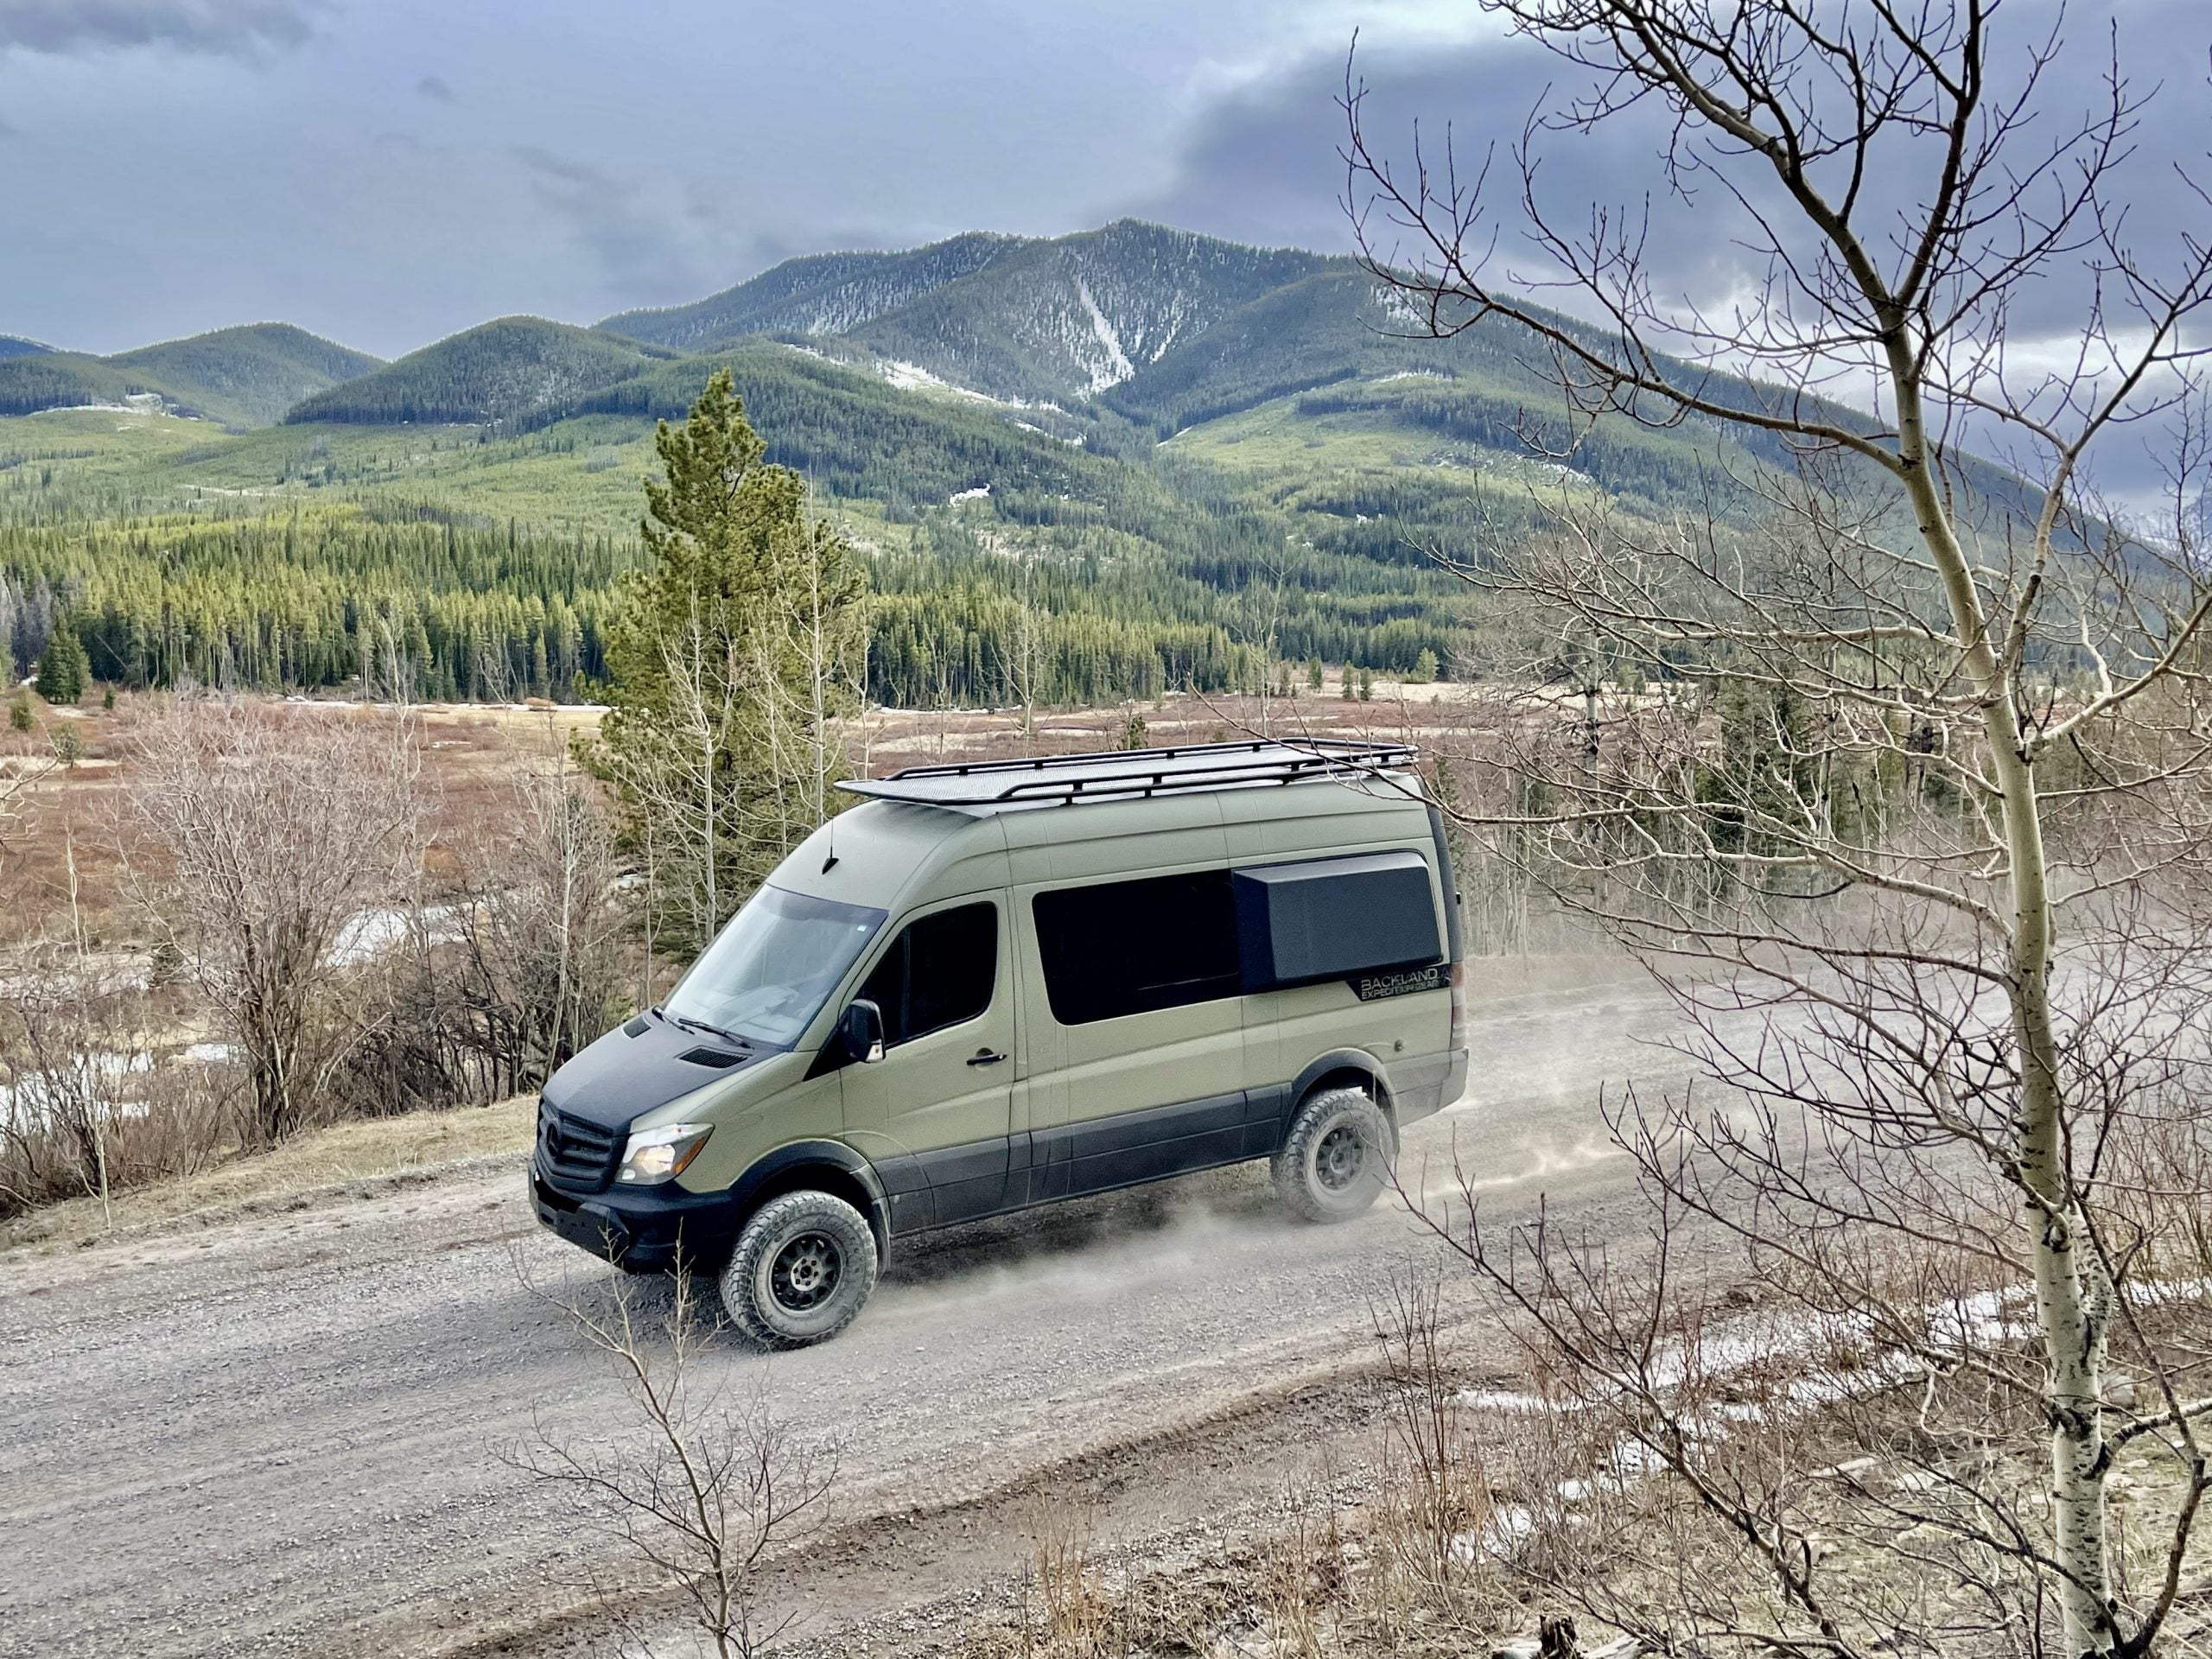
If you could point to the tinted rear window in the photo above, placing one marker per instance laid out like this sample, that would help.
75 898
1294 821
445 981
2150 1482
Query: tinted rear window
1131 947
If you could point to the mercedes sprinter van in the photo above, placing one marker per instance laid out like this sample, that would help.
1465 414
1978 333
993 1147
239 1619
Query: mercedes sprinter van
1011 982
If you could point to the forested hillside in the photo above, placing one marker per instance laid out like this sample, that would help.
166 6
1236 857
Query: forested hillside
819 293
504 371
1022 320
1089 468
252 374
853 434
241 377
16 346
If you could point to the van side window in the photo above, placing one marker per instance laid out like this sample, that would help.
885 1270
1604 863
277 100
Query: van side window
1132 947
939 972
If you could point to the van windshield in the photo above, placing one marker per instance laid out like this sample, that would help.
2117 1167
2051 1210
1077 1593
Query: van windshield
768 972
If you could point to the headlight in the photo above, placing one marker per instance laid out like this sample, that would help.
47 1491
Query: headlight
661 1155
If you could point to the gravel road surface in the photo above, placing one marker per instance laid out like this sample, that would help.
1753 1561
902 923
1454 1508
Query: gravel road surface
289 1434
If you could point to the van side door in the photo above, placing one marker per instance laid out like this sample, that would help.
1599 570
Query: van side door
1135 1028
935 1115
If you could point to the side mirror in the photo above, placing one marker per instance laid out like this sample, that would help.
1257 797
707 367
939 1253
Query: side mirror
862 1032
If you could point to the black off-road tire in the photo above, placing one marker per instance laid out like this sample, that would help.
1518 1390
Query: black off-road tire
1336 1157
803 1269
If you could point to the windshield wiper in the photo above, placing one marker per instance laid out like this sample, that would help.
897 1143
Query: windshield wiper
701 1025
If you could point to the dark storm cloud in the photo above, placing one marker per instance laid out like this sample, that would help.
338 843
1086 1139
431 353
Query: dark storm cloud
1262 164
219 28
434 88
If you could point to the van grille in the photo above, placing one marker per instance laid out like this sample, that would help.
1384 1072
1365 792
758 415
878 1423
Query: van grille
575 1154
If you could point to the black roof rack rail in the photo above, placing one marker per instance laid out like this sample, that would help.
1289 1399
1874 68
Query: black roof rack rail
1118 774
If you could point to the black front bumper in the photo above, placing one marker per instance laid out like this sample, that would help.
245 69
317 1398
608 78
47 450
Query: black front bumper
644 1230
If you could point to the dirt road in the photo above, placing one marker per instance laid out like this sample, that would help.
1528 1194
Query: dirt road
286 1435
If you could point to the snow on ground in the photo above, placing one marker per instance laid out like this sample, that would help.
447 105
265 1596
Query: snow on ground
913 377
1118 366
370 933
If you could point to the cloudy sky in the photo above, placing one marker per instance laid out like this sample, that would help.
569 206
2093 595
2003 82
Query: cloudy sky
385 171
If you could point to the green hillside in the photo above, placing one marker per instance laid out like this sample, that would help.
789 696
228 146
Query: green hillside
513 369
239 377
853 433
249 375
69 379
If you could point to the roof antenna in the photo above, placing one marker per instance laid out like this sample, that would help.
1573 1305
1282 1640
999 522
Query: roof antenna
830 862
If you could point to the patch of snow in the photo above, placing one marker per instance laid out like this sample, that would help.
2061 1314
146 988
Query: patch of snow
981 492
1409 374
1397 306
1507 1526
211 1053
1118 366
368 934
93 1079
1518 1405
913 377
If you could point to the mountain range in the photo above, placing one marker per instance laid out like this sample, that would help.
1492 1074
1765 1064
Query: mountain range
1114 339
1197 457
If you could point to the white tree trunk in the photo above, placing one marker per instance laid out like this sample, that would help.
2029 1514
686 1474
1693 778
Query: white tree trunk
2072 1316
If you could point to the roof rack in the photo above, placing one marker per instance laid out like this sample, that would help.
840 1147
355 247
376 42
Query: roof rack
1118 774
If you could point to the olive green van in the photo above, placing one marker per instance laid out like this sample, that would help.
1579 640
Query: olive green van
1007 983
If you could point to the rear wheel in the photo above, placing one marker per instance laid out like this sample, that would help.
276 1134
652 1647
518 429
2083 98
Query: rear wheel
803 1267
1336 1158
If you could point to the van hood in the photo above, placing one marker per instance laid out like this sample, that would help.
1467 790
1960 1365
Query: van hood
643 1064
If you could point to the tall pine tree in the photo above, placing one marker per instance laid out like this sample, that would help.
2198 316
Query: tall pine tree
64 670
732 655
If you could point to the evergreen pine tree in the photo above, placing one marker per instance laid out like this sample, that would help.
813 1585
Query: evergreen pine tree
63 667
731 654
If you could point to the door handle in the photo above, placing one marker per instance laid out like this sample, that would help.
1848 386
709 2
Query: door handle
984 1057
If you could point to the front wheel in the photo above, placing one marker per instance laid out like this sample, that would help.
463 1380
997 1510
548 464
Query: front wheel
802 1268
1336 1158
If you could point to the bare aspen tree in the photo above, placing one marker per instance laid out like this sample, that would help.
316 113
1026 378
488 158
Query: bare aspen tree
704 1484
76 1050
809 664
1026 668
537 922
269 848
695 794
1906 773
